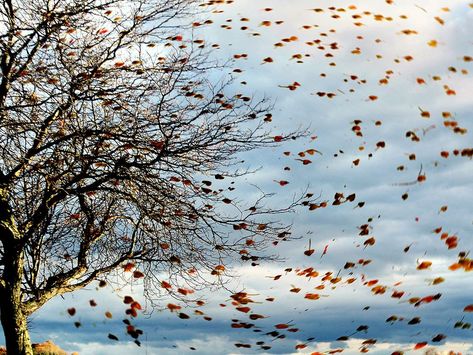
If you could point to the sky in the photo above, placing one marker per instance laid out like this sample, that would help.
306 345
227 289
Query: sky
390 75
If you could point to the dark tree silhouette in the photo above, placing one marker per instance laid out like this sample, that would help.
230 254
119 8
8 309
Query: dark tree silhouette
112 134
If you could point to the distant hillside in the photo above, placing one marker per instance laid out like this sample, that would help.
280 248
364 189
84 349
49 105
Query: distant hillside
46 348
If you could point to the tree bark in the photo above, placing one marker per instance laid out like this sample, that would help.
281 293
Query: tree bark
14 323
12 315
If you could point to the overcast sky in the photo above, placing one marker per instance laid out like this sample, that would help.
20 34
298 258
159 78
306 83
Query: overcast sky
369 52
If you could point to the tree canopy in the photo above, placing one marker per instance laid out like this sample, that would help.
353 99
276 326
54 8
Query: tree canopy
111 129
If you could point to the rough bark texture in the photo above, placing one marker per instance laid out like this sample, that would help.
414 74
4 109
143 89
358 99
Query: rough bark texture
17 339
14 320
12 315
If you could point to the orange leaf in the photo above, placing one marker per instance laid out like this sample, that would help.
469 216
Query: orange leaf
312 296
173 307
454 266
136 305
420 345
424 265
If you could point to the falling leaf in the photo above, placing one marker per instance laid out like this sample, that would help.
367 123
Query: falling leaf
112 337
424 265
468 308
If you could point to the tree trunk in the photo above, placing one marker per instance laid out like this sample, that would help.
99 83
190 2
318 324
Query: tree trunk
13 318
12 315
14 326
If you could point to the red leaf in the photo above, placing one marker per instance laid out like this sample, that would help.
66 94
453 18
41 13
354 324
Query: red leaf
277 138
71 311
468 308
420 345
166 285
138 274
281 326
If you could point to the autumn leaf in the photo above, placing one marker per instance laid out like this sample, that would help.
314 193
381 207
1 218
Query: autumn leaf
468 308
424 265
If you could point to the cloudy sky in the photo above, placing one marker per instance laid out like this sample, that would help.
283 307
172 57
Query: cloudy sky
419 48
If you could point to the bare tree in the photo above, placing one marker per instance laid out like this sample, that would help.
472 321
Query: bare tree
111 137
